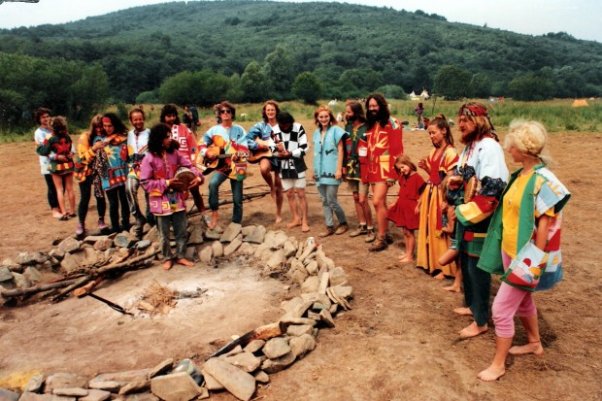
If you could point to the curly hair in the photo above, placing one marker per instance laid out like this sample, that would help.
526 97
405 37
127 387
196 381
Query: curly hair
59 126
325 108
529 137
39 113
478 114
265 105
383 110
357 110
224 105
169 110
118 125
157 135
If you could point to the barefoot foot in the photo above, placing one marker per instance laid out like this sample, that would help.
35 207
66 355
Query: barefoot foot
463 311
492 373
294 223
453 288
472 330
529 348
278 220
439 276
304 228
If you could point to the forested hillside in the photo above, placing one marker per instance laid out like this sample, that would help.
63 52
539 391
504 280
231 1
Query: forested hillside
252 50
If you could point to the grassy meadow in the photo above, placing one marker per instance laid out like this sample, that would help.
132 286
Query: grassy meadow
556 115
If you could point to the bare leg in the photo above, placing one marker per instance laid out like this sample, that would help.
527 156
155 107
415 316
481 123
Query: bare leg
294 206
303 209
463 311
533 345
58 184
366 207
410 241
498 365
70 192
359 210
457 285
380 205
279 197
265 167
214 220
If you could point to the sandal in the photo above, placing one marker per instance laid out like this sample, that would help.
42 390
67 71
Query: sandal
64 217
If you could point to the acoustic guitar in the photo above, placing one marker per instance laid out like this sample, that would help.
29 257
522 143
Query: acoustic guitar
271 151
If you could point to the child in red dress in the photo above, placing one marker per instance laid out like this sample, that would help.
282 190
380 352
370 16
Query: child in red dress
405 212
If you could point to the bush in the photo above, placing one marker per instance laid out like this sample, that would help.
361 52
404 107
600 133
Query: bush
307 87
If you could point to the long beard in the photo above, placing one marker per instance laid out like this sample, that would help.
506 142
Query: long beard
469 137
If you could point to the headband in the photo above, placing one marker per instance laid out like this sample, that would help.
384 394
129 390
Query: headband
473 110
107 120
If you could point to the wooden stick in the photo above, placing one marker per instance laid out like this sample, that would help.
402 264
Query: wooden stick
39 288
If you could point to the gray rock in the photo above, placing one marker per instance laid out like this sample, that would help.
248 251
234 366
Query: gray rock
188 366
21 281
289 248
213 235
143 244
319 298
291 304
254 346
239 383
64 380
56 254
261 249
287 321
103 244
245 360
298 275
136 386
276 347
74 261
175 387
232 247
312 267
153 234
246 249
269 238
256 236
262 377
5 274
278 240
343 291
96 395
138 397
32 274
7 395
297 330
91 239
231 232
10 264
276 365
70 392
108 385
161 367
206 254
35 384
310 285
210 382
196 235
324 262
69 245
218 249
234 351
44 397
333 309
191 254
30 258
124 240
247 230
338 276
302 345
276 260
122 378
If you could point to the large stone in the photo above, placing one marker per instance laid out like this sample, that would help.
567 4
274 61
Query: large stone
138 397
232 247
246 249
261 249
324 262
245 360
103 244
31 258
312 267
196 235
69 245
324 280
240 384
211 383
254 346
74 261
6 395
298 275
35 384
257 236
262 377
213 235
5 274
289 248
125 240
276 260
317 298
71 392
64 380
32 274
276 347
137 386
276 365
338 276
278 240
108 385
218 249
191 254
175 387
21 281
161 367
302 345
343 291
206 254
231 232
310 285
297 330
44 397
247 230
96 395
122 378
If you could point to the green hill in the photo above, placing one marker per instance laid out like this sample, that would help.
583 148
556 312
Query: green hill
351 49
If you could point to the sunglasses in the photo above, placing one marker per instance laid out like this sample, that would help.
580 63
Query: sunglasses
225 111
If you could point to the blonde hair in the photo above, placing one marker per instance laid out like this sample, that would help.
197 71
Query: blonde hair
325 108
405 159
529 137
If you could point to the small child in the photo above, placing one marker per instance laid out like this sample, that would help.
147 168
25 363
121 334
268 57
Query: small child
405 212
59 149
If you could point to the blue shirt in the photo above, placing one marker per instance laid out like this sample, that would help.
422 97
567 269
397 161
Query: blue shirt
326 155
235 133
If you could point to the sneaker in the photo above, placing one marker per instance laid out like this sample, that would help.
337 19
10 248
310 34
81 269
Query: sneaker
80 230
360 230
389 238
329 231
341 229
101 225
378 245
371 235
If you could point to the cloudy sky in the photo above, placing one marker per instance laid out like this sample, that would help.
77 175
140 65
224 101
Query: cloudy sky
580 18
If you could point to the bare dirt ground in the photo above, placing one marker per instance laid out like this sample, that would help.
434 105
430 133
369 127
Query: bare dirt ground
398 343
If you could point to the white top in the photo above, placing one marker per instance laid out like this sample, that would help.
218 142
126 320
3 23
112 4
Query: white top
39 136
487 158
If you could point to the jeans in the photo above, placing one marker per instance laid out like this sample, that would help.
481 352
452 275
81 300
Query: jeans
53 201
330 204
216 180
178 221
131 190
477 285
117 199
85 191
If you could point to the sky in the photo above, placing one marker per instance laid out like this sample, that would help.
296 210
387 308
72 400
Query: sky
579 18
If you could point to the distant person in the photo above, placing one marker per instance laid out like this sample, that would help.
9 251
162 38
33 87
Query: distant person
419 111
405 212
137 147
225 138
113 169
261 139
42 133
328 168
383 143
59 150
293 139
89 145
188 145
191 118
356 131
523 243
166 192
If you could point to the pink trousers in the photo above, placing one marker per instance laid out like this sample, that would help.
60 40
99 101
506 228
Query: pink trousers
510 301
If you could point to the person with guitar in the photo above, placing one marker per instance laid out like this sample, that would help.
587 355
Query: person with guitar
188 145
225 147
261 144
